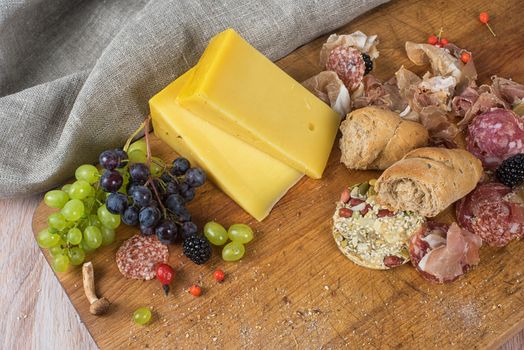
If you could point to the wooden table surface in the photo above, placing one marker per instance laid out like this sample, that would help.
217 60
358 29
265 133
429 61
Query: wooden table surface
35 311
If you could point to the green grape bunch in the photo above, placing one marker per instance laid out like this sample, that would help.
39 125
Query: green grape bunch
82 223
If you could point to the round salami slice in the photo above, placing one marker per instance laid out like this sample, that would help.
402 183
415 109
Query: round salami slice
136 258
495 136
493 213
349 65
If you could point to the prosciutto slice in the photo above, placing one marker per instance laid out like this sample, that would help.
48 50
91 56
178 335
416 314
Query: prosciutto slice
376 93
508 90
329 88
442 253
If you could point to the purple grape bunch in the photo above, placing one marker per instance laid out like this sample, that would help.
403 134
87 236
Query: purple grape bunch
156 203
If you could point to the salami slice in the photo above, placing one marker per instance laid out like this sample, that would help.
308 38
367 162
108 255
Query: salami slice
136 258
441 253
491 213
495 136
349 65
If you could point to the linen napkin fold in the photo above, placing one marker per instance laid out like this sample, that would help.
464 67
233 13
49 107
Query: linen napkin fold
75 76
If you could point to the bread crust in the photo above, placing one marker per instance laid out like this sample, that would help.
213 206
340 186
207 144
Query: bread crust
427 180
375 138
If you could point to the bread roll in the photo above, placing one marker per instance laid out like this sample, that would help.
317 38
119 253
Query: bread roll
375 138
427 180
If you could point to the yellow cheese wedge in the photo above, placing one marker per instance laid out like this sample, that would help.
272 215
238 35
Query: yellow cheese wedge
253 179
242 92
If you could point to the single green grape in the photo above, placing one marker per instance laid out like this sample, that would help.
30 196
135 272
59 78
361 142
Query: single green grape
56 250
76 255
157 166
60 262
93 220
137 156
138 145
233 251
215 233
74 236
142 315
107 219
56 199
241 233
93 236
66 188
85 247
47 239
88 173
73 210
57 220
108 235
80 189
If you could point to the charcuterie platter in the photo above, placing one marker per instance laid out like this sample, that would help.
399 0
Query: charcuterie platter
294 285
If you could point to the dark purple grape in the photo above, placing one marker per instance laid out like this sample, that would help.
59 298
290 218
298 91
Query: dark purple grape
174 202
117 203
111 181
166 232
188 194
130 216
171 188
149 216
188 228
139 173
183 215
147 231
141 196
180 166
108 159
122 157
195 177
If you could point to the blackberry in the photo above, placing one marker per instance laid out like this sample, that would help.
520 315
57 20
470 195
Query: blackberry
368 62
511 171
197 248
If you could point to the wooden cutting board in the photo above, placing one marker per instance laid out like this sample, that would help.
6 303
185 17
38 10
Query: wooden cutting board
293 289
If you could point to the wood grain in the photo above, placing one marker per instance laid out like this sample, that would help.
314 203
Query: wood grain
294 289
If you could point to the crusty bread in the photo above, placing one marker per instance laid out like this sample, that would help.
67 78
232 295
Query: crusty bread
427 180
375 138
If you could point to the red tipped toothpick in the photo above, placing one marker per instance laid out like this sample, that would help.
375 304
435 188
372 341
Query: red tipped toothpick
484 18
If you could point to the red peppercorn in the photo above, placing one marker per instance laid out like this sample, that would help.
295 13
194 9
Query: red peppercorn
465 57
195 290
444 41
432 40
165 274
219 275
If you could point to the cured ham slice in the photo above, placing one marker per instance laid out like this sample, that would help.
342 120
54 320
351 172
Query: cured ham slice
441 253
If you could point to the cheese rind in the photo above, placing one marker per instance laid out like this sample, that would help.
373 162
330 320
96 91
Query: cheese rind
253 179
242 92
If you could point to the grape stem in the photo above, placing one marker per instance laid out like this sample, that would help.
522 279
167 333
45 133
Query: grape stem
148 163
133 135
146 136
